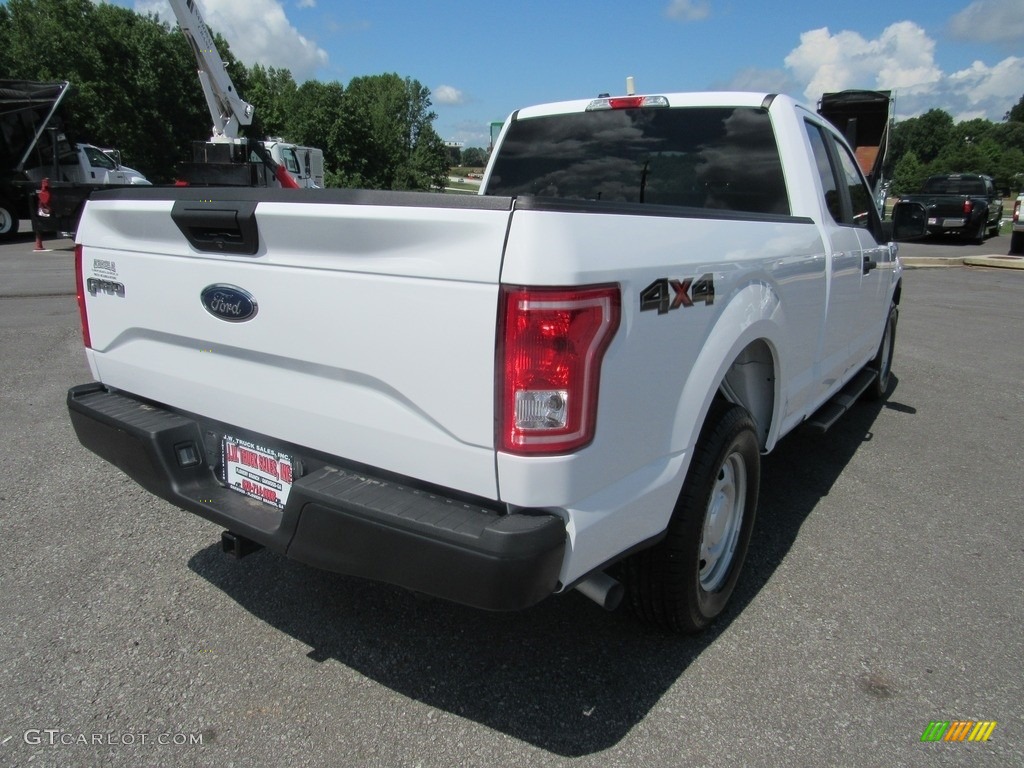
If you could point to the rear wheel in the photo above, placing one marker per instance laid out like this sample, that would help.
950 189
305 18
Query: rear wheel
1017 243
979 236
685 581
883 358
8 220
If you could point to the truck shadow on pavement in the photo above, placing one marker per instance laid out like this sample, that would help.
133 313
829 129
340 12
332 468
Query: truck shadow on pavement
564 676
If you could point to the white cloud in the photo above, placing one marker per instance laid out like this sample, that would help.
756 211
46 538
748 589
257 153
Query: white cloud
990 21
306 3
903 56
688 10
902 59
984 91
258 32
446 94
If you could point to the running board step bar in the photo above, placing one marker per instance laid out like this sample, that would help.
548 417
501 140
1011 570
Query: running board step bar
823 419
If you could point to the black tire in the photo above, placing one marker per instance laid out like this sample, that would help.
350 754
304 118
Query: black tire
1017 243
883 358
979 236
8 220
679 583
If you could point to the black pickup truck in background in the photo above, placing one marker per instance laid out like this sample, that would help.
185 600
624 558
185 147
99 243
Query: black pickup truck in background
965 204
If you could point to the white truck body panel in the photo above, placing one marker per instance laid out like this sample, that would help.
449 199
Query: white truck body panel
337 360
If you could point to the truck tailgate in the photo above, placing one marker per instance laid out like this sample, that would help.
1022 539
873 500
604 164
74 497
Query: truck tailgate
373 330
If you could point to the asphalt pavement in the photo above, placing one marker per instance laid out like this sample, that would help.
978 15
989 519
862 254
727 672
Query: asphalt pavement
882 594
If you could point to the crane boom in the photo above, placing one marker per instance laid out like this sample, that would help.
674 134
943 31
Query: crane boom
228 110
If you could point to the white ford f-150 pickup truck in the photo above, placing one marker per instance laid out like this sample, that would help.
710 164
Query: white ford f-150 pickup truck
495 398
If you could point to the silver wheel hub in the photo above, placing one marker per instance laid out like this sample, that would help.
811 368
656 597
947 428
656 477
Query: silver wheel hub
723 522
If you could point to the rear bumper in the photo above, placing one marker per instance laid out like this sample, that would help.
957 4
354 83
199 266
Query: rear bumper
337 519
957 224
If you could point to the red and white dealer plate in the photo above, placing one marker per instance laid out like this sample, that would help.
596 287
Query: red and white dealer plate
260 473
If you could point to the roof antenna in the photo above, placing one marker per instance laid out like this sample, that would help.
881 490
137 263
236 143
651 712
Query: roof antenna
630 86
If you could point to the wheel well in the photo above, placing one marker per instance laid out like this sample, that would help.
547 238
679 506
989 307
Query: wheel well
750 382
897 293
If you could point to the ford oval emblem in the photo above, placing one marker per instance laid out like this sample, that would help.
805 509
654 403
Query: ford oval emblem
229 302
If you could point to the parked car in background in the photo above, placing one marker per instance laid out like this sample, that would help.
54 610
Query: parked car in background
964 204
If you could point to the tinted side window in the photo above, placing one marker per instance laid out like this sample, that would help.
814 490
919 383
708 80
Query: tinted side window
847 196
290 161
723 158
99 160
828 178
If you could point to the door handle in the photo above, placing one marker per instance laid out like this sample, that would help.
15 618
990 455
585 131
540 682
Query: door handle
869 264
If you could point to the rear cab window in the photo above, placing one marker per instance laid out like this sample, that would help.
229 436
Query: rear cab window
719 158
955 185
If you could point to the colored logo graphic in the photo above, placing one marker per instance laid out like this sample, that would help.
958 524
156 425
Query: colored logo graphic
958 730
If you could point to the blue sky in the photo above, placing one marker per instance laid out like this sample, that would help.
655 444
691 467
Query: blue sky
481 60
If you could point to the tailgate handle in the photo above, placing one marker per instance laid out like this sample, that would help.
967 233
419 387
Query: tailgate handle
218 226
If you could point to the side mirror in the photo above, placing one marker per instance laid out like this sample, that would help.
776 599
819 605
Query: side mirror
909 222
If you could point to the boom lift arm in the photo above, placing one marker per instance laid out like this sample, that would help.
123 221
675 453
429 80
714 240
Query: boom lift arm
228 110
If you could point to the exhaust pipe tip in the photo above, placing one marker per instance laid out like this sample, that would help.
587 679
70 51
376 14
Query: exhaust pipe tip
238 546
603 590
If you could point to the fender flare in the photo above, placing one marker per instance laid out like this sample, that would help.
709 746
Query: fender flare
752 315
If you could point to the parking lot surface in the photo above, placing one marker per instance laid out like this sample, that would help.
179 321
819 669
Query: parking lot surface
882 593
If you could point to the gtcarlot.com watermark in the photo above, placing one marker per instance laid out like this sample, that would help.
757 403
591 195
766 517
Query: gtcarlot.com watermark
56 737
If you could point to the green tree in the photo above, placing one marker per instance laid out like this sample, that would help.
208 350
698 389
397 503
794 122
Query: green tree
133 86
274 95
925 136
6 41
389 137
160 108
317 122
474 157
909 174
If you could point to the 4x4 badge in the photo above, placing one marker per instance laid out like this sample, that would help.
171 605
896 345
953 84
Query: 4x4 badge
684 293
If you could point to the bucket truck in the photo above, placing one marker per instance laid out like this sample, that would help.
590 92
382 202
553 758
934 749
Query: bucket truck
227 159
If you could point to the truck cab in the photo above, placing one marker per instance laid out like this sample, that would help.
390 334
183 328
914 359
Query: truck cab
305 164
87 164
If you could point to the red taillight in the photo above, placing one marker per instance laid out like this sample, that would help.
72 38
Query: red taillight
551 344
626 102
80 291
968 206
1016 212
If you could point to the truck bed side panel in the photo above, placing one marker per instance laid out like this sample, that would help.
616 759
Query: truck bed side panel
769 280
